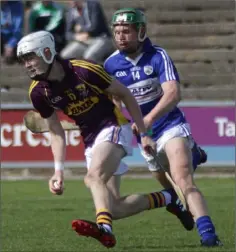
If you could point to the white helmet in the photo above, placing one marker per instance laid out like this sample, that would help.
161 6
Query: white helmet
36 42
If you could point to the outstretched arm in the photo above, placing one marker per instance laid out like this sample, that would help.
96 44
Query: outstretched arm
58 146
58 141
104 81
122 93
117 102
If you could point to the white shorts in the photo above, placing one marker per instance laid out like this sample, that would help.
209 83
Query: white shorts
122 135
181 130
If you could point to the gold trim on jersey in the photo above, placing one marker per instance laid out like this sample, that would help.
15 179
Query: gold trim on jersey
94 68
121 119
32 86
97 89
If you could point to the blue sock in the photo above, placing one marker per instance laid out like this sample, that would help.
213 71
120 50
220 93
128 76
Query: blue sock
205 227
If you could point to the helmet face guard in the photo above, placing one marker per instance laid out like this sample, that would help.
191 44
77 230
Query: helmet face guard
130 16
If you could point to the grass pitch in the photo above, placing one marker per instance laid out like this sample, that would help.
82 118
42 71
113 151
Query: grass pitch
34 220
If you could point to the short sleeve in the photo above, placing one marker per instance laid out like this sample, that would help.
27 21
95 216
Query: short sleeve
93 74
107 67
165 67
40 103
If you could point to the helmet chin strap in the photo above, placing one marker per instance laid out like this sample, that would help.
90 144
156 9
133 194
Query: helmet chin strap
50 61
43 76
141 39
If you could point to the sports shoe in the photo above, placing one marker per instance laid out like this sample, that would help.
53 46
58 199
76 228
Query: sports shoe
203 155
94 230
176 208
212 242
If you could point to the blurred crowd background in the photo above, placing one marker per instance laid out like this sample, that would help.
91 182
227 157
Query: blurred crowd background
198 35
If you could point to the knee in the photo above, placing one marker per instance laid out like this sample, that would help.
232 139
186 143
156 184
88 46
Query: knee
93 178
186 183
188 187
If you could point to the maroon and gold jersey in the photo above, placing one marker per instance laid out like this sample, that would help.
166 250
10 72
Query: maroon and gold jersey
81 95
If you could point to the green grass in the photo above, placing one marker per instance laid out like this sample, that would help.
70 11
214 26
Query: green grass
34 220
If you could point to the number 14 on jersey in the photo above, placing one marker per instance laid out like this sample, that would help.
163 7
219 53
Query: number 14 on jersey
136 75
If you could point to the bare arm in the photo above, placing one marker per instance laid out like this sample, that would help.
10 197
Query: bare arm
121 92
171 97
117 102
58 141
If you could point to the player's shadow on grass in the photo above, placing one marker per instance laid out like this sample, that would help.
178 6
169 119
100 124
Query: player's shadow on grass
62 209
159 247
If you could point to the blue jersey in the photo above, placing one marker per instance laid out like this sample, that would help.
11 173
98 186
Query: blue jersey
144 77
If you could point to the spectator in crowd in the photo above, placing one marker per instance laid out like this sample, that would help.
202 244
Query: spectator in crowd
87 32
49 16
12 16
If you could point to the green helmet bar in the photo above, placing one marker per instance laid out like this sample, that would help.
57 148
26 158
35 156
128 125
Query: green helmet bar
130 16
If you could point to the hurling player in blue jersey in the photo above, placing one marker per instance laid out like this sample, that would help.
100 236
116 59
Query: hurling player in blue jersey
151 76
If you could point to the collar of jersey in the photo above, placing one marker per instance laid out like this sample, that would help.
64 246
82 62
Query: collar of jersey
67 67
147 47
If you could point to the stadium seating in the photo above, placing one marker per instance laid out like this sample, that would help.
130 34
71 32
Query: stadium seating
198 35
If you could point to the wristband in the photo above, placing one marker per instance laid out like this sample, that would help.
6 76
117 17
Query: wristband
143 134
149 132
59 166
